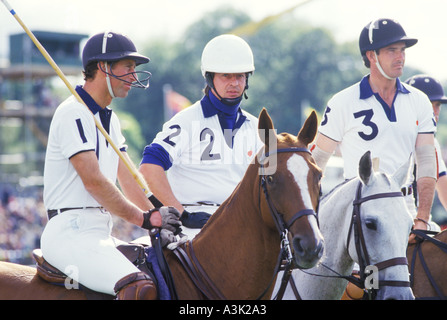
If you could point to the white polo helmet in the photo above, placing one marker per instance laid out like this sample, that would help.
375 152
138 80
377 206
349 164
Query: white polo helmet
227 53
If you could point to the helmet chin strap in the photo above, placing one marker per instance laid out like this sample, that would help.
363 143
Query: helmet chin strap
380 67
227 101
109 84
104 50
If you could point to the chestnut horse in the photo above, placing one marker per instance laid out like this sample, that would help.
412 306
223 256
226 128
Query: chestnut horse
428 266
240 245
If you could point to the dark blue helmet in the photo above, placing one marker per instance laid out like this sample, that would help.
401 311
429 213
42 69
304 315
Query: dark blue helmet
381 33
430 86
110 47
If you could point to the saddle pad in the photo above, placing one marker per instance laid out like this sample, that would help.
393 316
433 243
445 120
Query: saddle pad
163 290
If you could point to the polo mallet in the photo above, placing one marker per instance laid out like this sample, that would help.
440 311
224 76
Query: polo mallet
53 64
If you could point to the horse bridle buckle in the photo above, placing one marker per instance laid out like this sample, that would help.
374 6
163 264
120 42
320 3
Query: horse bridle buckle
285 245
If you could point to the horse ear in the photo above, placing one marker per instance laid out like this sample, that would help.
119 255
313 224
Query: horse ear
265 127
309 130
365 167
402 173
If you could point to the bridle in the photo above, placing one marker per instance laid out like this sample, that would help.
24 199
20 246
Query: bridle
362 252
360 244
285 254
189 261
281 225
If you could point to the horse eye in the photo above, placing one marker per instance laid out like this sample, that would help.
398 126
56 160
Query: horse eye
371 224
269 179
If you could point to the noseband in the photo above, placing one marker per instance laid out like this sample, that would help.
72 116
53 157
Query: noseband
360 243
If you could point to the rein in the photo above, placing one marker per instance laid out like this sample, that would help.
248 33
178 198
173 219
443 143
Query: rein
189 261
421 236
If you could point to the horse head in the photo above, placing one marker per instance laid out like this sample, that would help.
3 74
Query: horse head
381 223
290 180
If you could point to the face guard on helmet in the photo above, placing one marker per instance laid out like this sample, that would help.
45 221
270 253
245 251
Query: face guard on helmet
111 47
227 54
381 33
430 86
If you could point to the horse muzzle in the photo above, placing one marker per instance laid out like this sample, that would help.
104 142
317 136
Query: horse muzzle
308 246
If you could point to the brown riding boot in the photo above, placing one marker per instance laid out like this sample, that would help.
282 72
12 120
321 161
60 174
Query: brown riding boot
136 286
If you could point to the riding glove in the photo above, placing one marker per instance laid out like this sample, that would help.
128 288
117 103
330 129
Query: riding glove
195 220
169 216
167 237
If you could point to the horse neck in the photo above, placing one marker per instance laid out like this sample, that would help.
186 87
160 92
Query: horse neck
334 211
235 248
335 217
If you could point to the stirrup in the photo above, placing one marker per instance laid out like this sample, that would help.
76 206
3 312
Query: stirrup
136 286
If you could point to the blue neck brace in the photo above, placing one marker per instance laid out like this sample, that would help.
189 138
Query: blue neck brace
224 109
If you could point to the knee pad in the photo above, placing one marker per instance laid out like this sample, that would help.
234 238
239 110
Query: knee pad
136 286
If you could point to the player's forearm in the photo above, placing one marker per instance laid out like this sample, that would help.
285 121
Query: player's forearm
159 185
110 197
323 149
131 189
426 192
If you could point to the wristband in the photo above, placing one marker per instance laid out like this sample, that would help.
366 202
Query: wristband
147 219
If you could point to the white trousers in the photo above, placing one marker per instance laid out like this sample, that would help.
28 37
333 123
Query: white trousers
79 243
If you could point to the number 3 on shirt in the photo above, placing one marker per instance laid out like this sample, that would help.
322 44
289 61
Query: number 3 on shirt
367 114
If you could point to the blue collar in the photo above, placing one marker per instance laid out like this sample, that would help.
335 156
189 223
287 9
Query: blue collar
91 104
366 92
227 115
212 106
104 114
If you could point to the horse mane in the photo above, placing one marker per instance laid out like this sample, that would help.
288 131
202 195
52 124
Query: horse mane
338 186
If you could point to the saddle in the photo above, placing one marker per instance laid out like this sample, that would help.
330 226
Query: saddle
134 252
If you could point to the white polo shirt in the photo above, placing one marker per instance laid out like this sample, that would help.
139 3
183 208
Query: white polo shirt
205 168
72 131
361 121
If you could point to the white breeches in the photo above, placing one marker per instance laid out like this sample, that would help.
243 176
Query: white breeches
79 243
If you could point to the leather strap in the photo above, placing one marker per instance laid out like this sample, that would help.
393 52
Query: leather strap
197 273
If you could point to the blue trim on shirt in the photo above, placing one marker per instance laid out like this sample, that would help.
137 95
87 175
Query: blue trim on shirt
366 92
104 114
91 104
156 154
